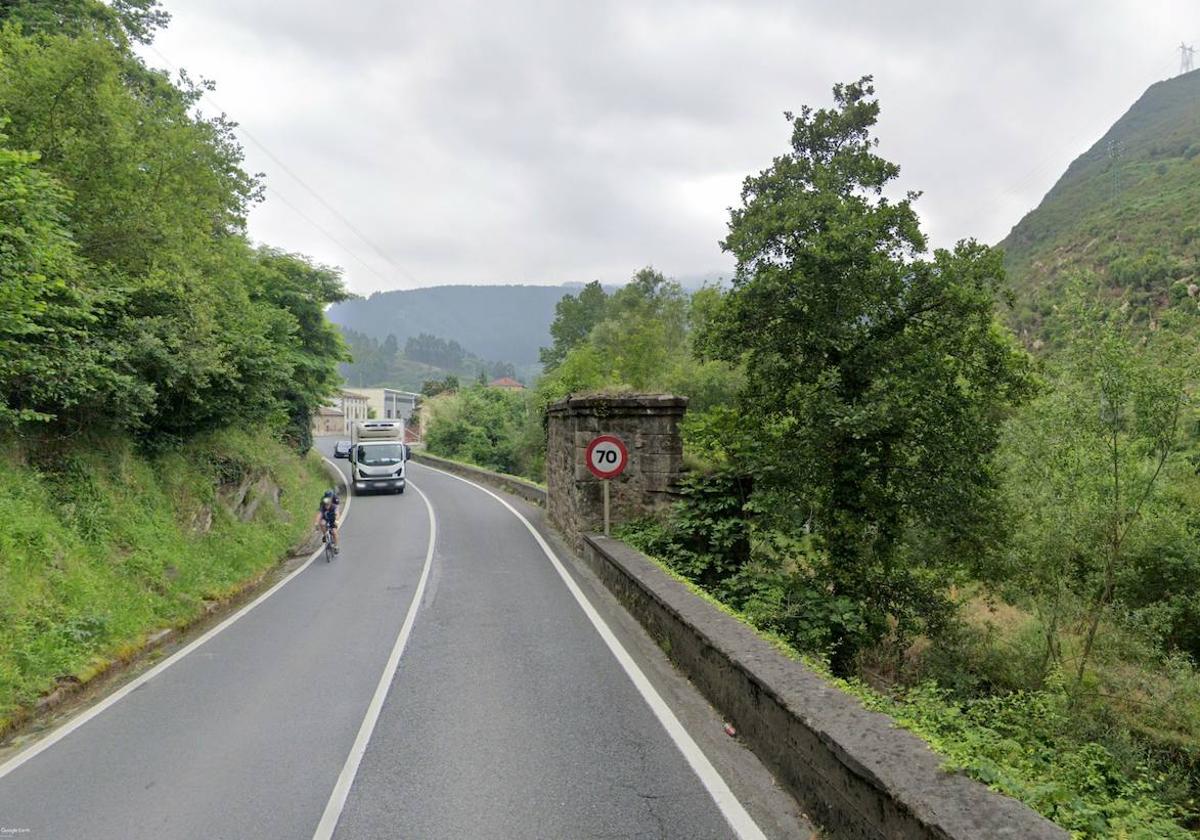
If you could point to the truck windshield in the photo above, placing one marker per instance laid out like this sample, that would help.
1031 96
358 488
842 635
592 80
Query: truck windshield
380 454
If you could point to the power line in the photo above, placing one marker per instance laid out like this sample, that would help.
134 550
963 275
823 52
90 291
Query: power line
245 133
327 234
350 225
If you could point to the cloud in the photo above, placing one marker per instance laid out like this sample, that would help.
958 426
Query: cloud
524 141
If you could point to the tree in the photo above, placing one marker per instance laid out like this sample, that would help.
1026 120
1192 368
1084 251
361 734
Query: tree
876 378
481 425
122 20
132 299
439 352
52 357
1088 462
302 289
574 318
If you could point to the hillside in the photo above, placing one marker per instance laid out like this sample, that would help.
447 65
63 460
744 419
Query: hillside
114 545
1127 209
497 323
419 360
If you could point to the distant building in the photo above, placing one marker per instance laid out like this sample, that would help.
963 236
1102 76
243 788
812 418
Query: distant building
388 403
328 421
354 407
506 383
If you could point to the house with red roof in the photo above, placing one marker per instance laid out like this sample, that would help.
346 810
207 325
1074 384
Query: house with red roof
506 383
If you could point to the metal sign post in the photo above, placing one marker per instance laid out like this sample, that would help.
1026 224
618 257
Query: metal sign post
606 517
607 458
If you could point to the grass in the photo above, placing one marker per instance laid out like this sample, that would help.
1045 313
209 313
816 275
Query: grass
104 546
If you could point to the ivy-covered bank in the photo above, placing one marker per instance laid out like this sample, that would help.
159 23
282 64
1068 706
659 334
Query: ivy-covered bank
104 546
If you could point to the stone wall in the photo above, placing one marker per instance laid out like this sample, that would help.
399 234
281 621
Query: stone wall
648 424
527 490
852 770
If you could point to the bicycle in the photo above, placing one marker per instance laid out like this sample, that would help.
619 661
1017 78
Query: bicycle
331 550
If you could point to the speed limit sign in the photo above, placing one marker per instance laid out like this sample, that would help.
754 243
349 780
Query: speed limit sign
607 456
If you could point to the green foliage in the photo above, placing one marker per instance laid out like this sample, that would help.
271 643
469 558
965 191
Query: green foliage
110 546
424 358
1041 746
574 319
134 302
120 21
877 376
1021 744
484 426
50 358
433 387
1087 463
639 338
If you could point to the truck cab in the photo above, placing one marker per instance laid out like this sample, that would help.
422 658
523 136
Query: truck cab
377 457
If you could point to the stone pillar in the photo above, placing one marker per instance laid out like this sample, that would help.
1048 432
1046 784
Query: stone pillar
649 426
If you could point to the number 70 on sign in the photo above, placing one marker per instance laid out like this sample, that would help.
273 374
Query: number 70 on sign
607 456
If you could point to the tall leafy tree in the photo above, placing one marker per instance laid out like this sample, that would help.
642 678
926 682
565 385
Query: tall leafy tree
51 359
303 289
121 20
574 318
877 377
133 300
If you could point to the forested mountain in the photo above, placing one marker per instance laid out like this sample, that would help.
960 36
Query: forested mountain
1127 210
422 358
500 323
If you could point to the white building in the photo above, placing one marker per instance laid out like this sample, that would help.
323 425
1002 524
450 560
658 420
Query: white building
354 407
389 403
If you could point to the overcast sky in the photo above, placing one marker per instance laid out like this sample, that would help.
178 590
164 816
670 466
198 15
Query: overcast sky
548 142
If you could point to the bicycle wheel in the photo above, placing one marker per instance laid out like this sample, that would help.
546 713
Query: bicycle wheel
328 549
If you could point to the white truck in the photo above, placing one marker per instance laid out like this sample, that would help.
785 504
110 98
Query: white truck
377 456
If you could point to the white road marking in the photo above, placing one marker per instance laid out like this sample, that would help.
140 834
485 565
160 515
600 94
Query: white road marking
70 726
341 789
734 812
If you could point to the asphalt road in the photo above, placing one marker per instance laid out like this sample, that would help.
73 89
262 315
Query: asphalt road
507 715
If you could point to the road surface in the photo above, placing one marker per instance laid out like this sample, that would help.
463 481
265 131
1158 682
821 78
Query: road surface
440 679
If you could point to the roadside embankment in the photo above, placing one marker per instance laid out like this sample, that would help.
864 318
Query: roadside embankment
105 549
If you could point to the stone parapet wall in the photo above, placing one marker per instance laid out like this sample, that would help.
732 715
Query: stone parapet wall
527 490
850 769
648 424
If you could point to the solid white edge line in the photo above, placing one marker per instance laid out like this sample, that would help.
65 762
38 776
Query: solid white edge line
728 804
341 789
74 723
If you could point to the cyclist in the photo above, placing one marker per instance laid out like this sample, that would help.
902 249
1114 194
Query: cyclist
326 520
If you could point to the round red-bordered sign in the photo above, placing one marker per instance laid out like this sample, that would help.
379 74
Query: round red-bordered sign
607 456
